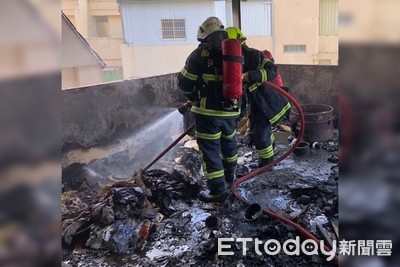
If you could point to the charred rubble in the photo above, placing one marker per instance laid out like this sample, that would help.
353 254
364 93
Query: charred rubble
155 218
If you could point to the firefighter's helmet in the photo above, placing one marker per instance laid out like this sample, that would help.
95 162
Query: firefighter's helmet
210 25
236 33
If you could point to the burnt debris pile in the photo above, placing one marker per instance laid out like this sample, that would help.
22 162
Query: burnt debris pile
167 188
120 216
155 218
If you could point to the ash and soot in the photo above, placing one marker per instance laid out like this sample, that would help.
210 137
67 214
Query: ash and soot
122 216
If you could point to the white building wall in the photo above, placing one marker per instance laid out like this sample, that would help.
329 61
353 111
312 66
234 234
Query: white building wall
146 61
220 11
142 21
256 17
229 18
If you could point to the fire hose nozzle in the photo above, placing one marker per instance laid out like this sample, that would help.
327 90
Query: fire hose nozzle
183 108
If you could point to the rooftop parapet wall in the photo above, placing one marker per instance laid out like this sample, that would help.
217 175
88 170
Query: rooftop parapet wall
93 114
312 83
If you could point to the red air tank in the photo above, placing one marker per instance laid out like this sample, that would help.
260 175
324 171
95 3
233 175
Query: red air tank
232 68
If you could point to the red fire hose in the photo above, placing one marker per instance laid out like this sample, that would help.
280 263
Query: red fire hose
250 175
303 231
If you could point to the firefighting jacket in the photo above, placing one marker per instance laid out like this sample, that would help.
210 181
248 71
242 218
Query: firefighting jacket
267 105
201 82
201 79
260 68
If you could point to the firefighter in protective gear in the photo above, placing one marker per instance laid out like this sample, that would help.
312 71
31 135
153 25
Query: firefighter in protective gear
267 106
257 68
201 82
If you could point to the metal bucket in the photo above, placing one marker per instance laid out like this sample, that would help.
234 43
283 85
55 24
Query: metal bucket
318 122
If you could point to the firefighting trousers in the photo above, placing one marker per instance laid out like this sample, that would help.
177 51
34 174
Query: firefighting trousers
263 139
216 138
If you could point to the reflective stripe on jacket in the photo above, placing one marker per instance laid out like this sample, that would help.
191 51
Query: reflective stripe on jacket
201 82
269 104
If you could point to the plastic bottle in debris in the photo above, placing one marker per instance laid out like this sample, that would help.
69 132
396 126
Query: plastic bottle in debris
143 232
294 140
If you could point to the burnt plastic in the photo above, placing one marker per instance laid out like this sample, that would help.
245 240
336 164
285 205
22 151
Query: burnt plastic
302 149
252 212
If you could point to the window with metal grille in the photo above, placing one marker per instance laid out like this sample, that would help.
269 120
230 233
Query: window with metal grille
295 49
173 28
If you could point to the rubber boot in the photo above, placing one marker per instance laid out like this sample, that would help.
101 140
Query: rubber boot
230 176
276 148
217 192
263 162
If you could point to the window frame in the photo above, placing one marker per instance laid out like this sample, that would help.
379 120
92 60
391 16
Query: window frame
174 32
103 29
295 49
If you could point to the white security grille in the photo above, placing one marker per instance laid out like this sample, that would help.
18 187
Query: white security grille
256 17
295 49
328 17
173 28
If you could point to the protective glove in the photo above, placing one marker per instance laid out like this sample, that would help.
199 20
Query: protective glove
193 97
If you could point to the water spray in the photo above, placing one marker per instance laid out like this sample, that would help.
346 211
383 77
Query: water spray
169 147
183 108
